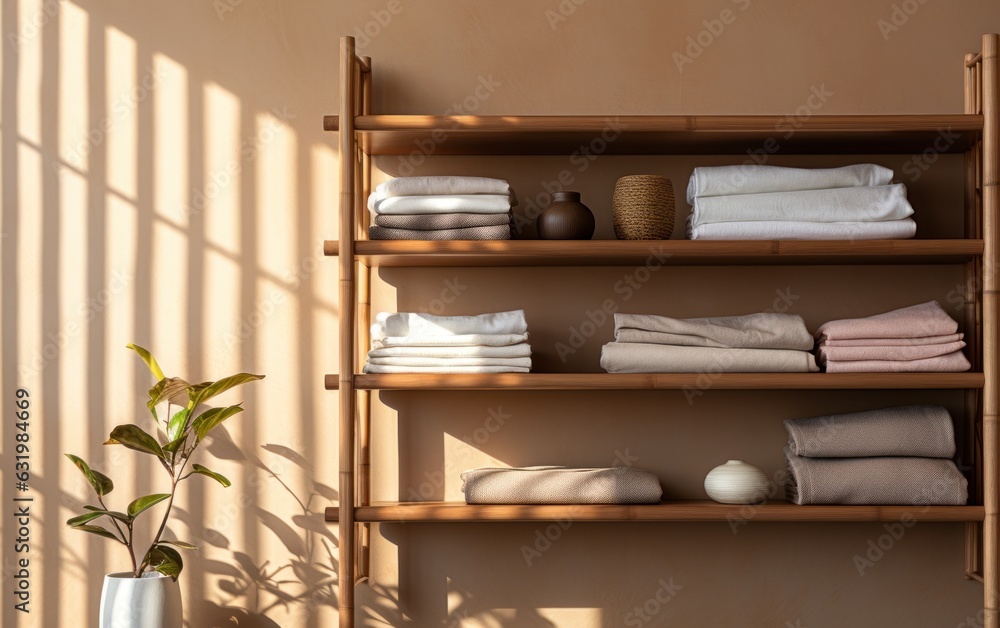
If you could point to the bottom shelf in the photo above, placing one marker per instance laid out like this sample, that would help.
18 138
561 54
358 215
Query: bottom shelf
693 510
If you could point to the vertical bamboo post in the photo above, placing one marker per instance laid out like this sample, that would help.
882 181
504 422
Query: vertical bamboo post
364 340
347 348
991 207
970 307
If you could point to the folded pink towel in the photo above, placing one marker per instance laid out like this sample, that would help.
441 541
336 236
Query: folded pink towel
916 321
893 342
952 363
901 353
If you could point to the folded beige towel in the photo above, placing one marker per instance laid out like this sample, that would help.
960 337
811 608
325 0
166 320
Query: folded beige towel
627 357
897 353
431 222
447 362
458 340
384 368
916 321
419 324
752 331
561 485
892 342
521 350
500 232
920 430
875 481
952 363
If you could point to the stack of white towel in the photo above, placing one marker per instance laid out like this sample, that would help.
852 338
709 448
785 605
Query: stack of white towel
408 342
441 208
750 202
755 343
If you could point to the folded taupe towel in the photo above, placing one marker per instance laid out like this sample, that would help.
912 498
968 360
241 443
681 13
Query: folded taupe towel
875 481
916 321
752 331
561 485
431 222
919 430
881 352
498 232
627 357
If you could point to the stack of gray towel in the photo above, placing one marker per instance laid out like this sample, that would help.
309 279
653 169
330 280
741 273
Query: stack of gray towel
755 343
750 202
893 456
408 342
441 208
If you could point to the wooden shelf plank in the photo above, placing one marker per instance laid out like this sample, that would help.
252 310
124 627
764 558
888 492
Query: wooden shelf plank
665 381
470 253
387 512
663 135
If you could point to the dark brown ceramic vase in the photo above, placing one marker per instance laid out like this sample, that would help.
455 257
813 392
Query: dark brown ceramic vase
566 218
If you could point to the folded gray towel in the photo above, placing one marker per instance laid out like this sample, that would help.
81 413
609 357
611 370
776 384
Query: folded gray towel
752 331
498 232
874 481
628 357
432 222
561 485
920 430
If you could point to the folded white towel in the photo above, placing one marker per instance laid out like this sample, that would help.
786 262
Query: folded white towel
863 204
443 204
752 179
426 186
788 230
448 362
460 340
417 324
521 350
381 368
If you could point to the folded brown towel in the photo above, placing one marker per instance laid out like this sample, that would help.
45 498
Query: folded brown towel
874 481
919 430
498 232
763 330
561 485
432 222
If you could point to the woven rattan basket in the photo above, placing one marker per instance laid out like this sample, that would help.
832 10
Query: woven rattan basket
643 207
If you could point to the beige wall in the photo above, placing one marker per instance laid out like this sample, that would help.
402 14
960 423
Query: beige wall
165 181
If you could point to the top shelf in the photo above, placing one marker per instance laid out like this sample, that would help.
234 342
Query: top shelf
664 135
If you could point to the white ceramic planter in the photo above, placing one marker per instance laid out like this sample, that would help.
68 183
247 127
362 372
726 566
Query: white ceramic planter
737 482
153 601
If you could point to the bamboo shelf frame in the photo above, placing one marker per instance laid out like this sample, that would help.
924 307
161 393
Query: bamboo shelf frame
692 510
974 133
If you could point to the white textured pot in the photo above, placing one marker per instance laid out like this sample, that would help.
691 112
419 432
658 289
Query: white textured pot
737 482
152 601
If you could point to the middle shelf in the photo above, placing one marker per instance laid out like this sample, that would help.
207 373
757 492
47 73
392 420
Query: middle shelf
663 381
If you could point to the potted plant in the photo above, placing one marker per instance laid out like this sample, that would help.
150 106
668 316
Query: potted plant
147 596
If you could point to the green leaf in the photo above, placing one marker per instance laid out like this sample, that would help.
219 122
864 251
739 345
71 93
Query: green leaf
99 531
145 503
203 392
133 437
150 361
178 424
79 520
180 544
99 512
166 389
165 560
101 483
175 444
210 419
218 477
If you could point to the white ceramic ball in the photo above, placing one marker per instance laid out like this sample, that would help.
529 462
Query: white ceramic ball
737 482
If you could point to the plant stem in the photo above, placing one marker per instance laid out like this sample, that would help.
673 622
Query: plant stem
166 516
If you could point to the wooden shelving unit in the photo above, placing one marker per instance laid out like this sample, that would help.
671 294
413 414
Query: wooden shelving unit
363 135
